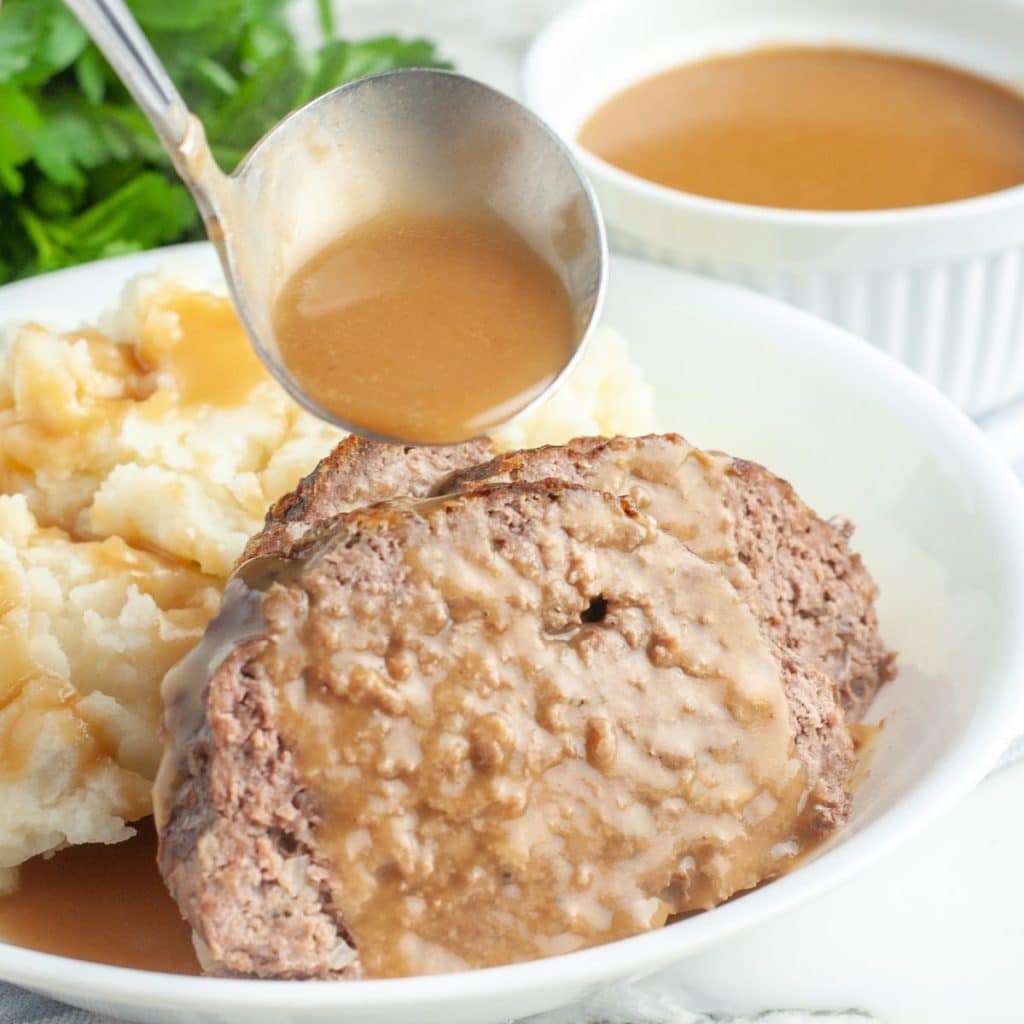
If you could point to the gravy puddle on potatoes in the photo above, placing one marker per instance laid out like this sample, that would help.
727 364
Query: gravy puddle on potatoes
101 903
213 362
426 327
816 129
211 359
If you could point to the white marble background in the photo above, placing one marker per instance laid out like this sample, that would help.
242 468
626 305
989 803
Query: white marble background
485 38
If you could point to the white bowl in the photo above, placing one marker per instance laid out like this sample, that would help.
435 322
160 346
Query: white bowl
940 287
940 524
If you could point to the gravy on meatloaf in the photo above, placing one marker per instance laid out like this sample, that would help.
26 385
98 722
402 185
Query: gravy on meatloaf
482 800
431 328
814 594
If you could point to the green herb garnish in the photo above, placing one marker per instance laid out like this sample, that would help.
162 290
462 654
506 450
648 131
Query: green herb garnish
81 173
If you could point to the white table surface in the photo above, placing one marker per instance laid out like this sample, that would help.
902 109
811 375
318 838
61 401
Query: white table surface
932 935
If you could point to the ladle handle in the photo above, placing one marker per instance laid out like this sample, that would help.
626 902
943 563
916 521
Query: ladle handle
115 31
117 34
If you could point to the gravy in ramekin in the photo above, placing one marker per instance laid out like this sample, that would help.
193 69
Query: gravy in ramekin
816 129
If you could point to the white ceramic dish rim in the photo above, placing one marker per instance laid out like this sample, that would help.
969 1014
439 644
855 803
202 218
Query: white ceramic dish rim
950 778
990 204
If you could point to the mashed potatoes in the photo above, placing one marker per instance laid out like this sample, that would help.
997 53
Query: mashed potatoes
135 461
87 629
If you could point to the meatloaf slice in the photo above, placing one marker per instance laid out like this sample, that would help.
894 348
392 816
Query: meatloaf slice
360 472
480 728
813 594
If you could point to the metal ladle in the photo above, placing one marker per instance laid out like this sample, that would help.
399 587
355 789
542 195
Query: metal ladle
428 139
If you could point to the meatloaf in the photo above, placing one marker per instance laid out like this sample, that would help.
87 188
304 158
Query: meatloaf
486 727
813 593
360 472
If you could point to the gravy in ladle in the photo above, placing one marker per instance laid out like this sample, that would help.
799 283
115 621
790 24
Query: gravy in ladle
424 327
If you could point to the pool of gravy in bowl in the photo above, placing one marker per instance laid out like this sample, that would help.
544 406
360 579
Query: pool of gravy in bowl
816 129
424 327
102 903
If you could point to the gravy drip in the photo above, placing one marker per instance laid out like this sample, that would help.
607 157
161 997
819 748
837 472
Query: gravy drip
426 327
101 903
489 792
184 687
816 129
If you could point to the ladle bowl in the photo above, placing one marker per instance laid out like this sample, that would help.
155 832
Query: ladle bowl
419 139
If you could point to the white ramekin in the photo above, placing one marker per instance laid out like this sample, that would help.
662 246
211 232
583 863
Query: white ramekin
940 287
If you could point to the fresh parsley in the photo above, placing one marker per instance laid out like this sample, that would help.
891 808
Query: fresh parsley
81 173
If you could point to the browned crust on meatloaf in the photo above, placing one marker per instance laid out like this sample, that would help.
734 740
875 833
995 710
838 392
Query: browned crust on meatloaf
816 595
239 851
817 598
824 744
360 472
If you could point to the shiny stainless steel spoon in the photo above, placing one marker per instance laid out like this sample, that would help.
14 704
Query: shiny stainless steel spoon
428 139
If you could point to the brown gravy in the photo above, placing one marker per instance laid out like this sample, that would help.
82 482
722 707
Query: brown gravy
816 129
107 904
213 362
425 327
208 354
